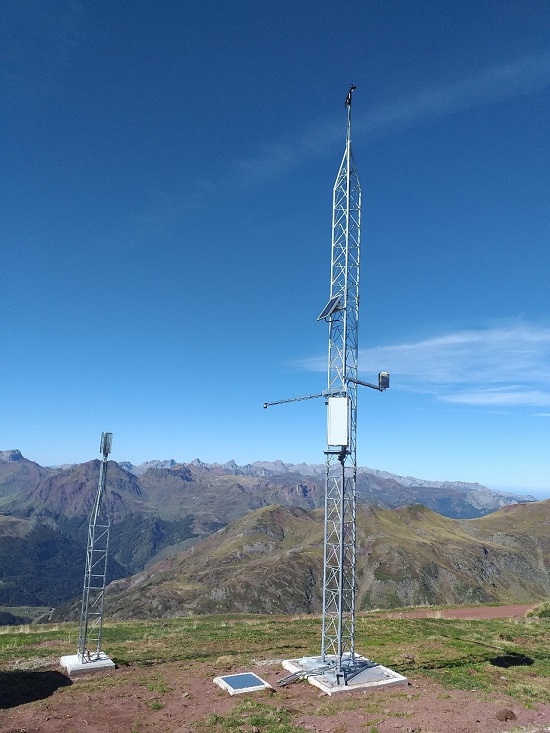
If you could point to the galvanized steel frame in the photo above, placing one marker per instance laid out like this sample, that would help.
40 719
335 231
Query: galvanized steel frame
93 594
338 632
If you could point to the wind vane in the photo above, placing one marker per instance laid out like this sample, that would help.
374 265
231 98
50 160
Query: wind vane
348 98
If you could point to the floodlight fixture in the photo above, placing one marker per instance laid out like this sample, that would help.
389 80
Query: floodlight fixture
331 307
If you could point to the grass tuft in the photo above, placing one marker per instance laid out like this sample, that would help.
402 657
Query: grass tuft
252 714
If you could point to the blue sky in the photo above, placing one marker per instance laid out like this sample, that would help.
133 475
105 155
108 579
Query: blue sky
167 173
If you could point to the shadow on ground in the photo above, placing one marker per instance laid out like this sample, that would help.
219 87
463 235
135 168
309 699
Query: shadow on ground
18 688
511 660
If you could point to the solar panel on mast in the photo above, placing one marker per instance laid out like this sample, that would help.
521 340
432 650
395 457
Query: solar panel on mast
330 308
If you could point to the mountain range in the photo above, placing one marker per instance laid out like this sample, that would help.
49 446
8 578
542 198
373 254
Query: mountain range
160 509
270 561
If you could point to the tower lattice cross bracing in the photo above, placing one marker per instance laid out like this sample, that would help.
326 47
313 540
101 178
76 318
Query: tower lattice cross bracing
338 630
338 663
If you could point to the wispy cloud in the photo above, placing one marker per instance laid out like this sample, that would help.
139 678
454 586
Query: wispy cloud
524 76
505 366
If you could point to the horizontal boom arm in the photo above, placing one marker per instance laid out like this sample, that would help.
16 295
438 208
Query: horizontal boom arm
298 399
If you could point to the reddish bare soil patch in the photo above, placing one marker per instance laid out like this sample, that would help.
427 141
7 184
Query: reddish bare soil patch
173 697
468 612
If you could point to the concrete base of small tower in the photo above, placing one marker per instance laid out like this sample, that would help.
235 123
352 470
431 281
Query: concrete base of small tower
361 674
74 664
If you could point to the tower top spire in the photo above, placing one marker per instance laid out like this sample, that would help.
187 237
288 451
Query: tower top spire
347 104
348 98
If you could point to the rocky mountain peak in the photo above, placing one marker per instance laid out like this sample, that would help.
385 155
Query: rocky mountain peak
11 455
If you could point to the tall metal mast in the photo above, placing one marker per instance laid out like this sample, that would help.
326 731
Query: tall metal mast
341 454
91 618
342 314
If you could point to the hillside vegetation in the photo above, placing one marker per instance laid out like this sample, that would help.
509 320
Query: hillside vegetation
270 561
39 565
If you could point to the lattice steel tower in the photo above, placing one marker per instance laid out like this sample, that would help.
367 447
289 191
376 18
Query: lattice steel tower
341 454
91 617
342 315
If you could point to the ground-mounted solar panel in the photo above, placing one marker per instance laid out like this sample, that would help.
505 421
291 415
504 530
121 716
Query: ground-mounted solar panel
235 684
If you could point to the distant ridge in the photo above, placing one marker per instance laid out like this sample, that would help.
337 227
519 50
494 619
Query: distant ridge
277 467
162 508
143 467
450 498
468 499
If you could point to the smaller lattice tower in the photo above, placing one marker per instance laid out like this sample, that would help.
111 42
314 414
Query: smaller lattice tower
93 594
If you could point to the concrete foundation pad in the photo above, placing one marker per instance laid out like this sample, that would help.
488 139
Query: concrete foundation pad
74 664
363 674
